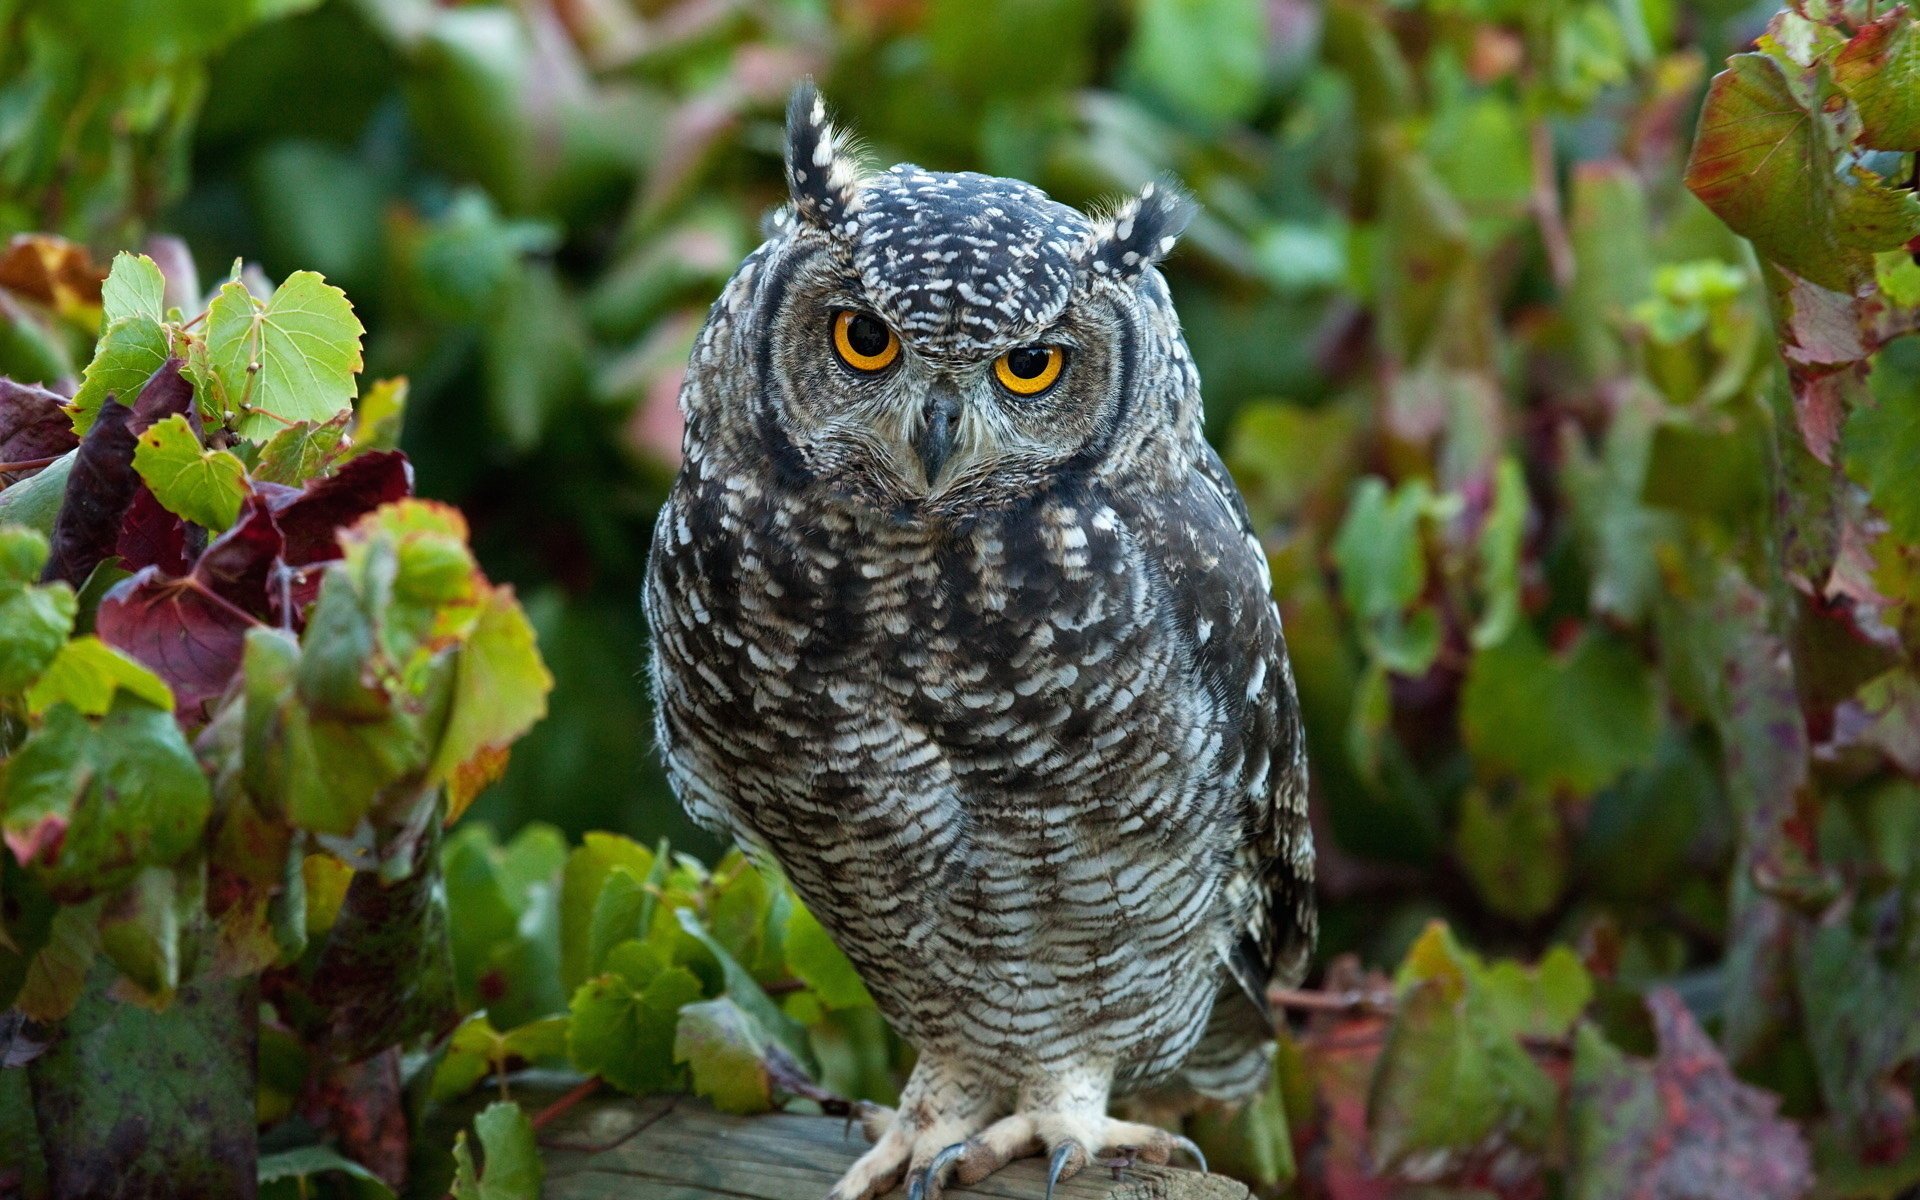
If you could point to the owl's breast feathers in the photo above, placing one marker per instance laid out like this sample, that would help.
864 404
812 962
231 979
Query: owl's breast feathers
1091 679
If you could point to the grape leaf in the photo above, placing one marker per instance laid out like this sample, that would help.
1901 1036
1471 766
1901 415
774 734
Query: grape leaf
1575 720
814 959
89 803
623 1029
88 673
134 288
1879 446
299 452
292 358
1765 166
1879 69
99 488
581 882
500 684
510 1161
1681 1125
192 631
33 423
130 351
34 619
203 486
726 1054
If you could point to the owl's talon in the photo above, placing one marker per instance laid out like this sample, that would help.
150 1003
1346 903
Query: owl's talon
1186 1145
1063 1165
929 1181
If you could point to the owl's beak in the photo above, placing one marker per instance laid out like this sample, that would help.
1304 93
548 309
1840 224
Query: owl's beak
939 420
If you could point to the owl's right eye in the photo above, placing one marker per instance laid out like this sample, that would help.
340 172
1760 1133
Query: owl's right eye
863 341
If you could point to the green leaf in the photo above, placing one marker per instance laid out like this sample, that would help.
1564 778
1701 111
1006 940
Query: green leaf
301 452
1452 1077
1500 556
378 417
1766 165
624 1032
581 883
1207 57
34 618
815 960
134 288
1575 720
305 1164
182 1077
510 1159
727 1053
1880 445
746 992
130 351
1880 71
88 673
291 358
89 804
1383 571
1514 851
204 486
500 685
140 930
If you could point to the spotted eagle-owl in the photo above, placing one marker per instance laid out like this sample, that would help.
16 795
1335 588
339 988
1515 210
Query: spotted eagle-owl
960 621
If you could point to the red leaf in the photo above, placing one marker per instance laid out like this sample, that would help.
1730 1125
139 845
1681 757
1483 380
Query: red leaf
1682 1125
33 423
99 489
182 631
167 393
152 537
192 631
311 518
38 842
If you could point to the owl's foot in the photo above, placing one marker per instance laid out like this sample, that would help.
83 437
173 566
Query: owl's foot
1071 1142
943 1103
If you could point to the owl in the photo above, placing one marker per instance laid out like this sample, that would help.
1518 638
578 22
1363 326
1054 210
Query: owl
960 622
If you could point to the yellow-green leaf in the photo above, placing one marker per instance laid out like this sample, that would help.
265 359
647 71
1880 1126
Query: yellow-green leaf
204 486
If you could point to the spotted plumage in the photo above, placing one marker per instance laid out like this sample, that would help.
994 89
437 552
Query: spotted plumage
994 678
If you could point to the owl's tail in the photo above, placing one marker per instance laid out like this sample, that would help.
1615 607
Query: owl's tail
1231 1061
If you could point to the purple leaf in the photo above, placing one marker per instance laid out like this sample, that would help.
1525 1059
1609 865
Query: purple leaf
33 423
99 490
152 537
311 518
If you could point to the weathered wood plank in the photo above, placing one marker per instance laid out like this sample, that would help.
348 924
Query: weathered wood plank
679 1149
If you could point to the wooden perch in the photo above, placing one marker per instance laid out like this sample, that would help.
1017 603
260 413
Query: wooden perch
667 1148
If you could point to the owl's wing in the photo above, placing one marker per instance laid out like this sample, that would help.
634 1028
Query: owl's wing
1221 592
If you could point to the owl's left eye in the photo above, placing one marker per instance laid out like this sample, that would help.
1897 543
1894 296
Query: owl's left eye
863 341
1029 370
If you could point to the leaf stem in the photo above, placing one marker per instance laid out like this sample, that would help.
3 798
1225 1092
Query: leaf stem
558 1108
28 464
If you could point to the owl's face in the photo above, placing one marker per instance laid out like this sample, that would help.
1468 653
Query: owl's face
930 344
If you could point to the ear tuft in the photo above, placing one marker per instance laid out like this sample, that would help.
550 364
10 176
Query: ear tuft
1142 231
821 167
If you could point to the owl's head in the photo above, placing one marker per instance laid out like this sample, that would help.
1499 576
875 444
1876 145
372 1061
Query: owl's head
932 343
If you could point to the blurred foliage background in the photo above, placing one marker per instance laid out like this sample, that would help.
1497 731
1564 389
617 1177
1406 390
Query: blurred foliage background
1502 394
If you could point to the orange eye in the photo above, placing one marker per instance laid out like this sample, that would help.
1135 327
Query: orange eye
863 341
1029 370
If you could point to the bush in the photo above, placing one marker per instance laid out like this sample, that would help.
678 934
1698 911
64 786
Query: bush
1583 449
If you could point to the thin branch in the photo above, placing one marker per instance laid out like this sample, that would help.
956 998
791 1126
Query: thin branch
1302 1000
29 464
1546 207
558 1108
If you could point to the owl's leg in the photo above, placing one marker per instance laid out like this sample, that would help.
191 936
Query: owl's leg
943 1103
1065 1118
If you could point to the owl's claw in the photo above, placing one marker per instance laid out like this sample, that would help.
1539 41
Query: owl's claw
1063 1162
1192 1151
929 1181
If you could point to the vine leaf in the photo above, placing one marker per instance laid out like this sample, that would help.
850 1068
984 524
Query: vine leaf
1880 71
134 288
1680 1124
290 359
204 486
510 1161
